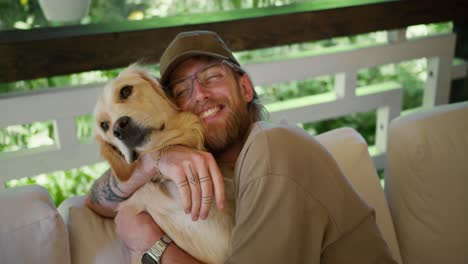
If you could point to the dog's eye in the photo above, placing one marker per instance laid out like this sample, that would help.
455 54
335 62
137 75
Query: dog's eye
105 126
126 91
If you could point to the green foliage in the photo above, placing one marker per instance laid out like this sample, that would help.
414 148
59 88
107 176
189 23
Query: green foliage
84 126
64 184
21 14
24 14
37 134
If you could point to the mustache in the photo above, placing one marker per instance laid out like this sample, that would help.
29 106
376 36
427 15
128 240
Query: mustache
207 103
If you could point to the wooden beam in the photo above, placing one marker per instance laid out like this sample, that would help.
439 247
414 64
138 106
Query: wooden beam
56 51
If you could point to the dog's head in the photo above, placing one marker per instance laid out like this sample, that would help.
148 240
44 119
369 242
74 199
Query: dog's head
131 117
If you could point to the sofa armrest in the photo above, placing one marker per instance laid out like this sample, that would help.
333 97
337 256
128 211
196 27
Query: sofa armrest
31 229
92 237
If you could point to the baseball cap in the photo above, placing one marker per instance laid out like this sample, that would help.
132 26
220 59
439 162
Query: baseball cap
192 43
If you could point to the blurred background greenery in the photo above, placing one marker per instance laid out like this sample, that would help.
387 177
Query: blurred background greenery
26 14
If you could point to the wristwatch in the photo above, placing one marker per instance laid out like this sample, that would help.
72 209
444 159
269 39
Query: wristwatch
153 255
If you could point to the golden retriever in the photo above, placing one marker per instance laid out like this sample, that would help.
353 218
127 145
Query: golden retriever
134 116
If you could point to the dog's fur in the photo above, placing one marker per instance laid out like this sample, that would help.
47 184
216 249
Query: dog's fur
152 122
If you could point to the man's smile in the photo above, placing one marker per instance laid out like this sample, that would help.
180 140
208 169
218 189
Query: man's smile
210 112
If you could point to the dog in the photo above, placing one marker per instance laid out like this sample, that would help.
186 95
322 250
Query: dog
134 116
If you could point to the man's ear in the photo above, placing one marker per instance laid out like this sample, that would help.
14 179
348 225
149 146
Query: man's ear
246 88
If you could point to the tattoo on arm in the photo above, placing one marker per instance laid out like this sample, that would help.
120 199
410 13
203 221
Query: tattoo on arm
109 194
115 183
102 189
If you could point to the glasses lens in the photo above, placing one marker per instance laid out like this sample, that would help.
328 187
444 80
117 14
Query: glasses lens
212 75
182 90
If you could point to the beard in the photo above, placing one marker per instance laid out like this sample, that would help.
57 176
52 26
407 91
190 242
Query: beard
236 124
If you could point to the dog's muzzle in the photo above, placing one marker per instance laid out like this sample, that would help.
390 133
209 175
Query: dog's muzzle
130 133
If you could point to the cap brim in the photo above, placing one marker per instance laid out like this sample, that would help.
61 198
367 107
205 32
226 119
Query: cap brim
185 56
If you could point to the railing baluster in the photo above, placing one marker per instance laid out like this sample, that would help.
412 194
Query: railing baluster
437 87
384 116
65 133
345 84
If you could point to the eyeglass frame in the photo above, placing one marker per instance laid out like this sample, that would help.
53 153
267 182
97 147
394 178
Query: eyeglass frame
236 68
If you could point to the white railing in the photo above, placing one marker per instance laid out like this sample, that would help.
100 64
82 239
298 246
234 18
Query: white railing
64 105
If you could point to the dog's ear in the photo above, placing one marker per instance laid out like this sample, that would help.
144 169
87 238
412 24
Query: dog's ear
158 88
119 166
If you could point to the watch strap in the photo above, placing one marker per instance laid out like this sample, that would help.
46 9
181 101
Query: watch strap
156 251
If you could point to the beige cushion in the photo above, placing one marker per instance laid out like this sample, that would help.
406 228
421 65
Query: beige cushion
92 238
31 230
350 151
427 184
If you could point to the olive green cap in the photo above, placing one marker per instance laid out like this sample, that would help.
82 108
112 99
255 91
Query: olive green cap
193 43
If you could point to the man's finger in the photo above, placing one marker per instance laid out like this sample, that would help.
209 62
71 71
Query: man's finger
218 183
206 190
185 194
194 183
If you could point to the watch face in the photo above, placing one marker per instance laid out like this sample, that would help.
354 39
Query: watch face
147 259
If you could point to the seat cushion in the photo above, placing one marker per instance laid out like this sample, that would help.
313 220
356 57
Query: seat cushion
92 237
427 184
31 229
350 150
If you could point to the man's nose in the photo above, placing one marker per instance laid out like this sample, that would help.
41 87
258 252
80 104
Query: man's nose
199 91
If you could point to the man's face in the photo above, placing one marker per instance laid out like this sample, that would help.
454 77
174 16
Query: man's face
222 106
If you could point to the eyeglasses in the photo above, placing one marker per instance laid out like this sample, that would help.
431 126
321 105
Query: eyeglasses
209 76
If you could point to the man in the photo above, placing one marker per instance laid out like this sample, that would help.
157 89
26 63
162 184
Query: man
293 205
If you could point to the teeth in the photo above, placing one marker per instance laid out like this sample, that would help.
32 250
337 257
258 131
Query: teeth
210 112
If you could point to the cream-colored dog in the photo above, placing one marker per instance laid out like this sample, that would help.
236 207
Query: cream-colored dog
133 116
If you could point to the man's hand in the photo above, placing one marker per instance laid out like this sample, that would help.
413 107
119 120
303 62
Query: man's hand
145 171
107 192
138 232
196 175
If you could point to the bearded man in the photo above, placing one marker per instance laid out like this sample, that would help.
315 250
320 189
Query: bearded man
293 204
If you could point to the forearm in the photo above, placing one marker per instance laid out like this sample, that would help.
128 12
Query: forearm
106 194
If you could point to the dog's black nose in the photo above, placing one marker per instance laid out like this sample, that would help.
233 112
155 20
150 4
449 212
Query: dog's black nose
121 126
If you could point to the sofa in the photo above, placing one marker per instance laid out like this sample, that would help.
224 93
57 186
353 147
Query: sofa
422 212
